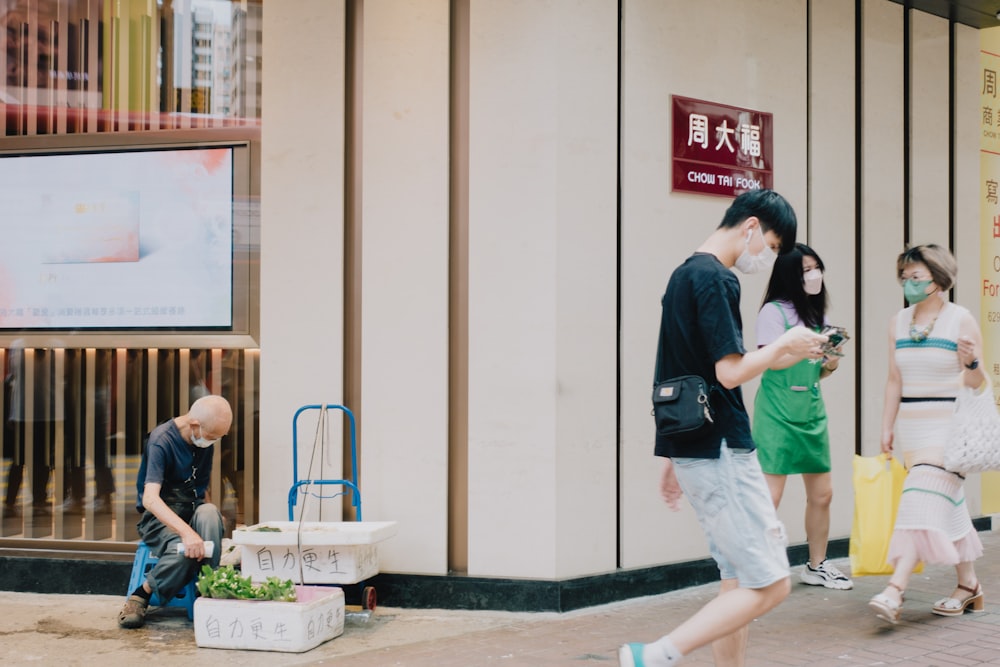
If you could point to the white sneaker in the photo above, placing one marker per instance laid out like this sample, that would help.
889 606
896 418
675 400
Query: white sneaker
826 574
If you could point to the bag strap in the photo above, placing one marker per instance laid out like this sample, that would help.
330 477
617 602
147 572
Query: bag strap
656 370
783 315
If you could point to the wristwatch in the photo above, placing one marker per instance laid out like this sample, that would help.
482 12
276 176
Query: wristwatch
973 365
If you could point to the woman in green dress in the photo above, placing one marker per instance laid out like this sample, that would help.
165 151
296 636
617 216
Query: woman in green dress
789 422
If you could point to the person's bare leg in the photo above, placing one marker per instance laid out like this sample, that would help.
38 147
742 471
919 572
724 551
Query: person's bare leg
900 578
731 650
967 574
776 485
819 493
967 593
724 621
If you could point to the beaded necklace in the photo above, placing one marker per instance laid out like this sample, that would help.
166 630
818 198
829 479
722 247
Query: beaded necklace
920 335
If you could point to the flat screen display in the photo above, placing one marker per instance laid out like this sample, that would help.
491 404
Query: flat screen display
133 239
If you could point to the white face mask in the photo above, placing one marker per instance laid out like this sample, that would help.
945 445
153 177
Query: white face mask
762 261
812 282
201 441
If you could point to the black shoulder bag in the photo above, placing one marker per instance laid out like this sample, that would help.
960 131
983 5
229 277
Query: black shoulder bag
680 405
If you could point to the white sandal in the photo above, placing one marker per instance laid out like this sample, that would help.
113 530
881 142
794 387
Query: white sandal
957 607
886 608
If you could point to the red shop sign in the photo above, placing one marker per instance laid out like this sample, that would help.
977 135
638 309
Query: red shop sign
720 149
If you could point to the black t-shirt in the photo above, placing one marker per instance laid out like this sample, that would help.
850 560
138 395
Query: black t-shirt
701 324
181 469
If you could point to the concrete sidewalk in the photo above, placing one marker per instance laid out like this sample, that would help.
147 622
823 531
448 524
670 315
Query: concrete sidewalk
815 627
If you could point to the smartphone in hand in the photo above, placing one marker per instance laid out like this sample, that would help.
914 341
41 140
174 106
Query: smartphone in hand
837 337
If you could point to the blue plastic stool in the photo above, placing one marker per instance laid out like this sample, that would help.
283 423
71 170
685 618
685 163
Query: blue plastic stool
144 561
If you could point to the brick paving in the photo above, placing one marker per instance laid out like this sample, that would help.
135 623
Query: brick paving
815 627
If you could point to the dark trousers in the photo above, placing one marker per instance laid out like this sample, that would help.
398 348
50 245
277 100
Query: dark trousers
173 570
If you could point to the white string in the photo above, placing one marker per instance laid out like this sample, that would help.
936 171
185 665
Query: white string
318 438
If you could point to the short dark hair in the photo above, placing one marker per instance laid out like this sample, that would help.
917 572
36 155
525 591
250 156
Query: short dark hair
786 285
939 261
774 212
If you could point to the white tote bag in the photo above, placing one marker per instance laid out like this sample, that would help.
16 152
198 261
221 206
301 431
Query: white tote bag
974 442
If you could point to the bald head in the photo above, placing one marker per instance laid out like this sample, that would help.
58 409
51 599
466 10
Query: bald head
213 414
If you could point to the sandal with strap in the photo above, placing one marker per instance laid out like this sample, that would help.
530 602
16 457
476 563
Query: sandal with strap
885 607
957 606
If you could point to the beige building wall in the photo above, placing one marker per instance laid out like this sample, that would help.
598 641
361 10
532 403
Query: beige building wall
829 220
882 209
929 129
302 234
542 260
403 276
564 279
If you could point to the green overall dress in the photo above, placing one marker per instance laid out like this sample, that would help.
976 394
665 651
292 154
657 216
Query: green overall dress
789 420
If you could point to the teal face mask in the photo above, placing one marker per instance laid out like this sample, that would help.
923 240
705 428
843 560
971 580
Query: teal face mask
915 291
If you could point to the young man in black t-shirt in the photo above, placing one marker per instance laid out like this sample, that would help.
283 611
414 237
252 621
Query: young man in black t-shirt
701 333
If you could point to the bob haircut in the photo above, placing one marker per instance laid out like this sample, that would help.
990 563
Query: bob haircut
774 212
939 261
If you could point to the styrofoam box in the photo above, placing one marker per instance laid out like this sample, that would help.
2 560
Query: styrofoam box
258 625
332 552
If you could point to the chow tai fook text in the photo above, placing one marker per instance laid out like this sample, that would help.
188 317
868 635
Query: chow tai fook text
720 149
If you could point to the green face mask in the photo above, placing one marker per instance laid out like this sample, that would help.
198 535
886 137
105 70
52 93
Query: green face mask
915 291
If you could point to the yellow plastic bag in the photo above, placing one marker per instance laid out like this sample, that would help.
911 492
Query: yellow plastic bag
878 485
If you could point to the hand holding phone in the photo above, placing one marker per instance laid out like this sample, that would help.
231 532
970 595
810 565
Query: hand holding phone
837 336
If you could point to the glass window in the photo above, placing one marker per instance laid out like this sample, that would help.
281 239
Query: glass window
86 66
74 415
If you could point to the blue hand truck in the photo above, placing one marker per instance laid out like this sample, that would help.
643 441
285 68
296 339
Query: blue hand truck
368 595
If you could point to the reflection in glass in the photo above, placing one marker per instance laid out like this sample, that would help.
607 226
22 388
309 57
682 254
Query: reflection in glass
75 421
102 65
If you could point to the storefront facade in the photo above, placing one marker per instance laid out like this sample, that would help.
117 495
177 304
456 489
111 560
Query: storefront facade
457 218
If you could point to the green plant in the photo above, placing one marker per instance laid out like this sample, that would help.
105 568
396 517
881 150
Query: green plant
228 584
273 588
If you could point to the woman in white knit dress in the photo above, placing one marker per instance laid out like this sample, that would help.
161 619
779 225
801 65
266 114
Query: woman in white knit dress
935 347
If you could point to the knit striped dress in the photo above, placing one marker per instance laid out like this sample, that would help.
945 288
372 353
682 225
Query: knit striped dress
933 520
